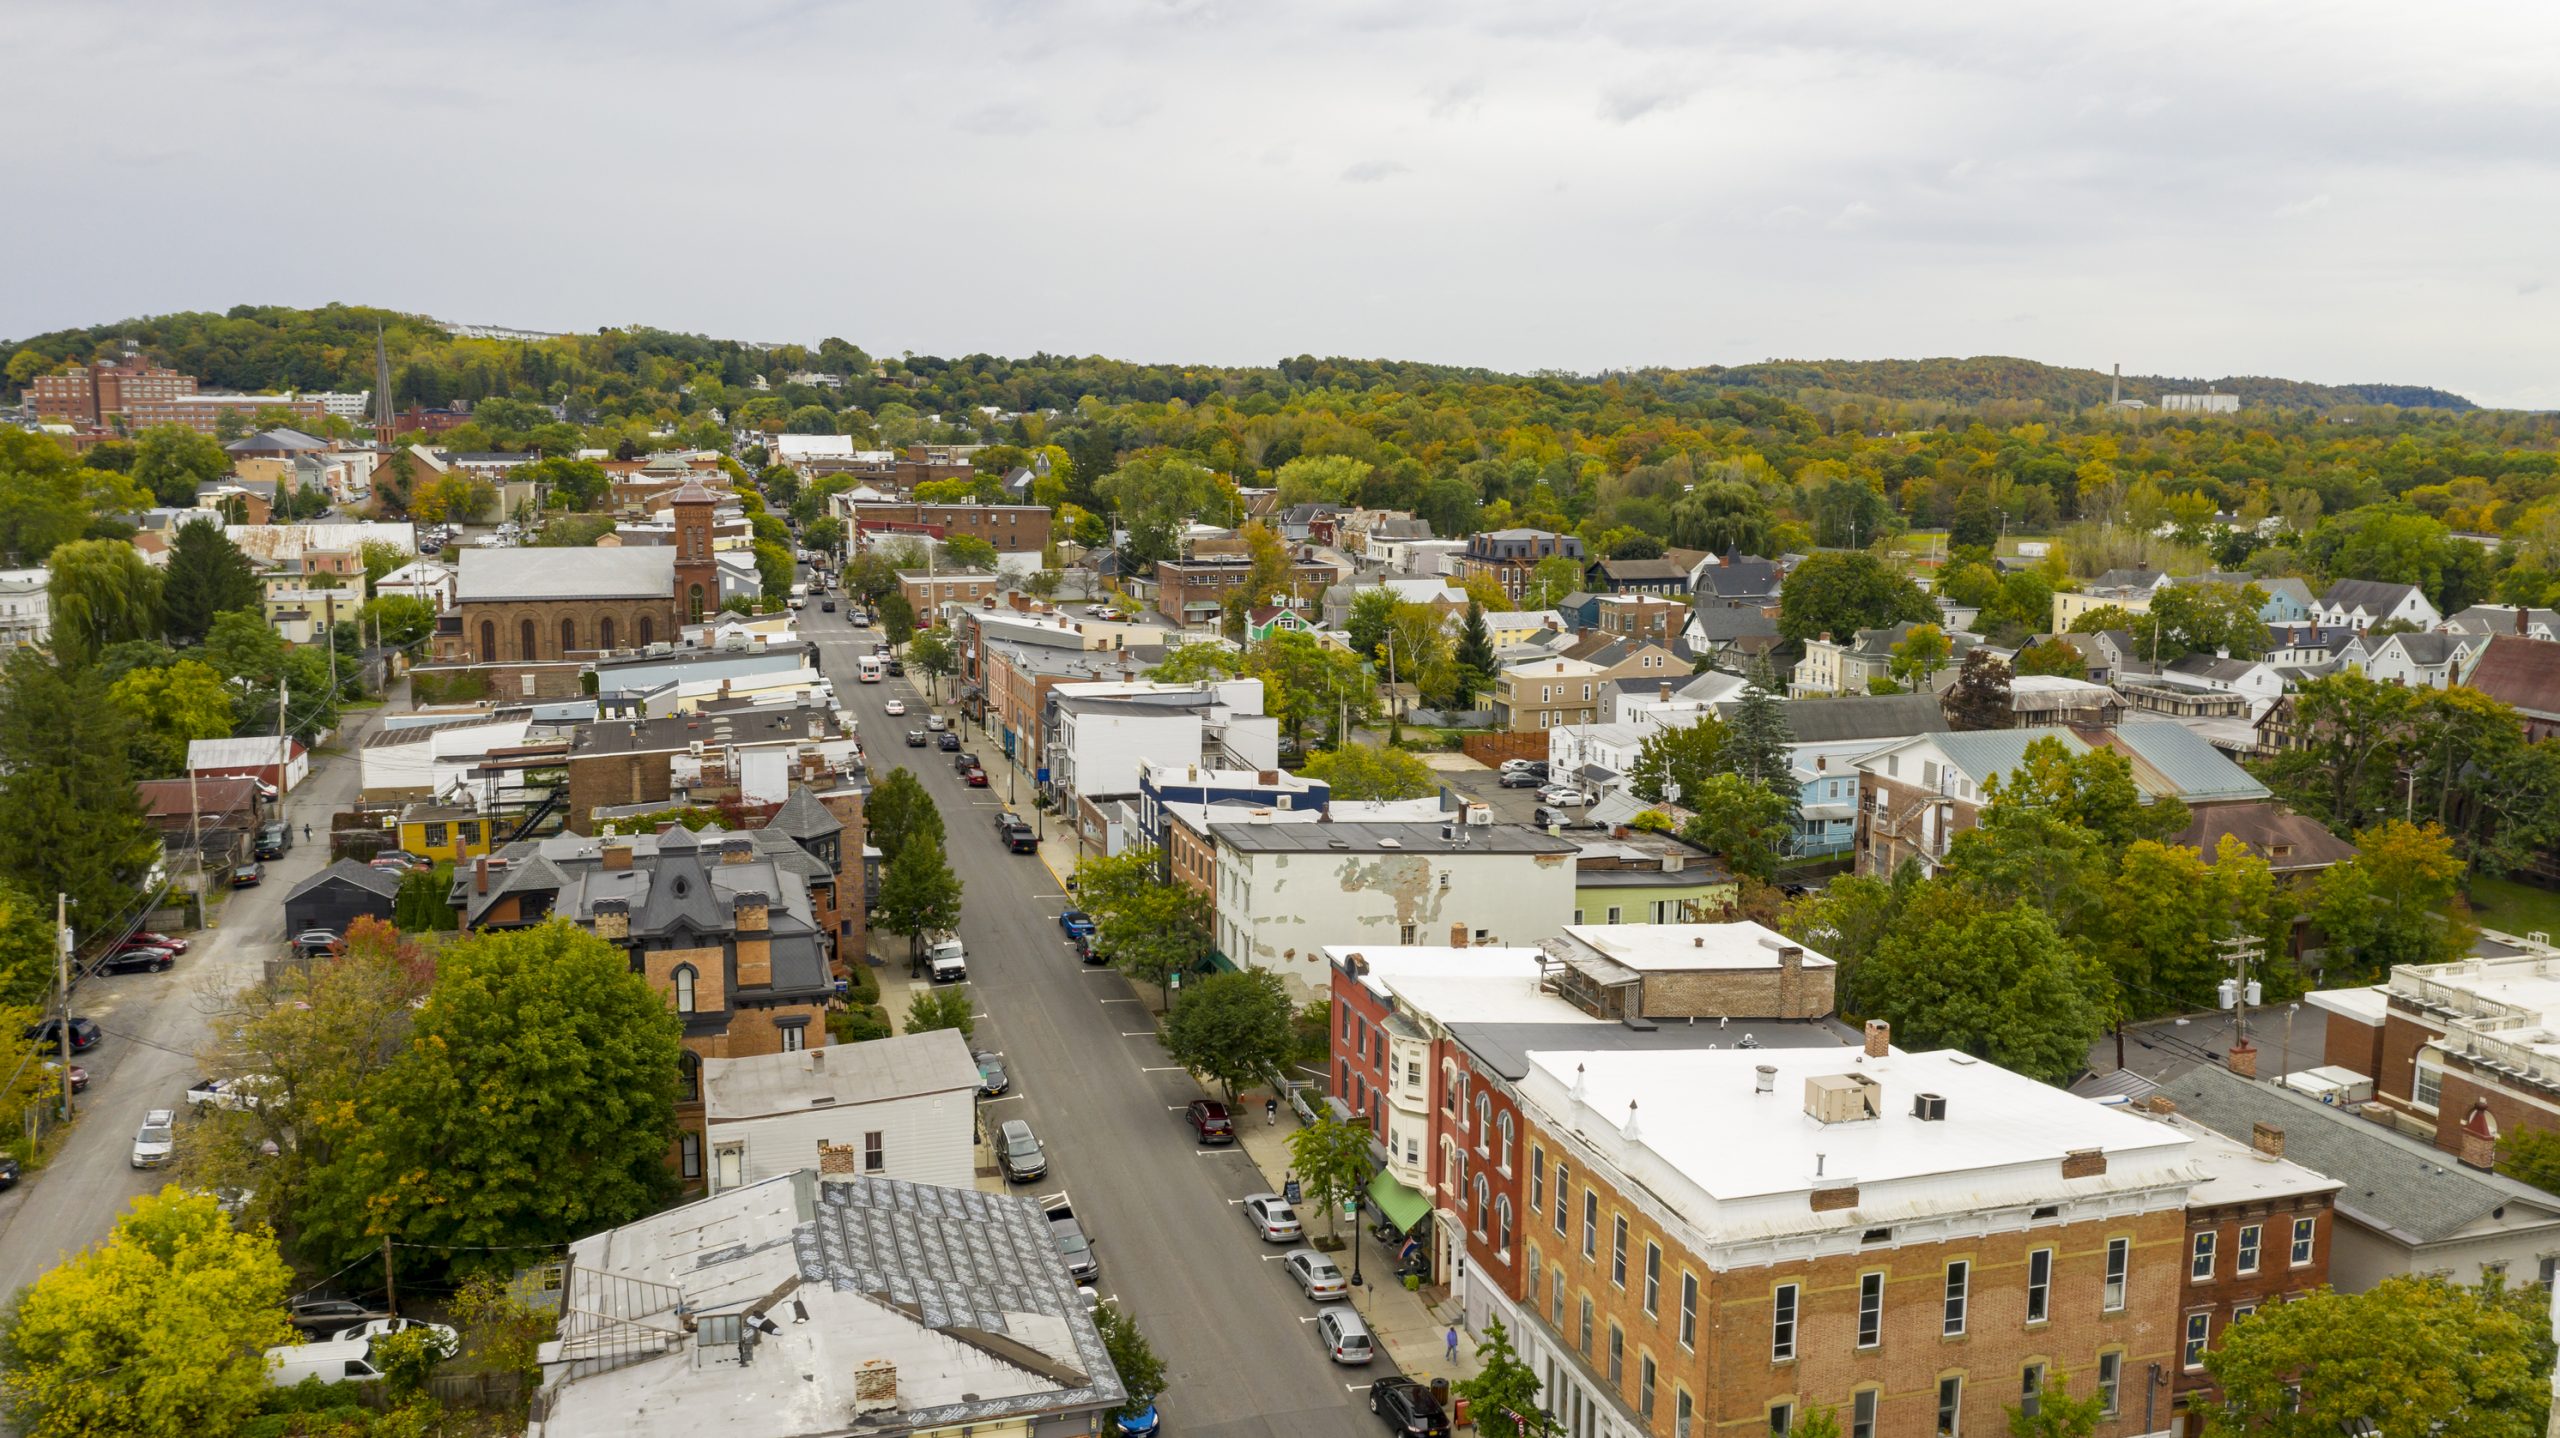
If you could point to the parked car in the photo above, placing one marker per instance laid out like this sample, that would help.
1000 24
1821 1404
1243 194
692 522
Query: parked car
79 1075
916 739
1073 1244
1521 779
1344 1336
135 959
1316 1274
1141 1424
1560 797
948 742
975 776
1514 766
315 943
330 1315
84 1033
936 723
1273 1218
273 840
8 1171
963 762
1018 1151
241 1092
157 1138
350 1362
371 1329
159 941
247 876
894 706
897 668
403 859
992 1079
1208 1119
1408 1408
1075 923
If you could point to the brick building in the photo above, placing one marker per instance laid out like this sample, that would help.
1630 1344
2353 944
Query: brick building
927 591
100 393
1725 1239
1193 591
1509 556
203 412
2439 1040
1643 616
712 754
1011 528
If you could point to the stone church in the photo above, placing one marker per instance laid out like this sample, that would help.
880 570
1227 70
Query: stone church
521 609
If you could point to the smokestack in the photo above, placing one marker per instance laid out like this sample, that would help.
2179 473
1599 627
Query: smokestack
2115 392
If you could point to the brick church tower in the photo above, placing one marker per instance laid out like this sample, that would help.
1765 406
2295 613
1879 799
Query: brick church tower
697 573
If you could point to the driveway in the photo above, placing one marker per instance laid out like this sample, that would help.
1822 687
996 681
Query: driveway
155 1026
1235 1335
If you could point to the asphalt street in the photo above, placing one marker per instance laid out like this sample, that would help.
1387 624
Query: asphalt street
156 1025
1236 1337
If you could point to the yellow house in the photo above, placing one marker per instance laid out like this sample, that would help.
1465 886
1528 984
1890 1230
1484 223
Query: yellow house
445 833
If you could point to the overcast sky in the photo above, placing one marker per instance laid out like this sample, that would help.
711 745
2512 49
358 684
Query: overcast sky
2338 192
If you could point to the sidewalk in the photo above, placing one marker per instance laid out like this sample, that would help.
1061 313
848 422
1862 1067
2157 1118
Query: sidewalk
1413 1329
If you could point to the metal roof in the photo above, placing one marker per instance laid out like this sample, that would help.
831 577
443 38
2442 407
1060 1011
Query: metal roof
2185 760
541 573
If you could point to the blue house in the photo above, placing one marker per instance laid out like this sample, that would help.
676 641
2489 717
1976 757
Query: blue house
2288 601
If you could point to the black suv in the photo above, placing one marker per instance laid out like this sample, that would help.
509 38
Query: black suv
84 1034
1408 1408
948 741
1018 836
273 840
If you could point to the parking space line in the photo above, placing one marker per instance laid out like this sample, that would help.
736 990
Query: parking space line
1206 1152
1115 1001
1167 1069
1001 1098
1140 1034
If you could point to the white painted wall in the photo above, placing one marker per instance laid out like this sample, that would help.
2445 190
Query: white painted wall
925 1138
1278 911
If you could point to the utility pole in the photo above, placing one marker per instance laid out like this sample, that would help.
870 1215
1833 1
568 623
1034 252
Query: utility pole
390 1284
62 981
2240 991
284 701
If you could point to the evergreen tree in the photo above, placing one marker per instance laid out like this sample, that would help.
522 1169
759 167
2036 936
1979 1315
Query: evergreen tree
207 575
1475 656
69 820
1757 738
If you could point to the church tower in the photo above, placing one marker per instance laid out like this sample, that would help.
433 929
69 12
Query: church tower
697 595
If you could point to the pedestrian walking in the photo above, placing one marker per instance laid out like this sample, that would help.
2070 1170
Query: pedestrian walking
306 833
1453 1344
1270 1111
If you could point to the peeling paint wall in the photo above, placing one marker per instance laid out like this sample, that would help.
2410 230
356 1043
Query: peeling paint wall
1278 911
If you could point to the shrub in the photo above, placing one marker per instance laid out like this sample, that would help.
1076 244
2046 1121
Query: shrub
853 1025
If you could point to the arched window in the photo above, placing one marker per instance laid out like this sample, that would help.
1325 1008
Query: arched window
1484 1123
689 1070
1503 1155
1502 1223
684 977
488 642
1484 1203
568 636
689 1153
648 631
525 648
693 604
604 633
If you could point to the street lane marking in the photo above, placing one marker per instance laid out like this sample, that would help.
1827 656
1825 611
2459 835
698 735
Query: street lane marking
1140 1034
1206 1152
1268 1257
1115 1001
1166 1069
1358 1387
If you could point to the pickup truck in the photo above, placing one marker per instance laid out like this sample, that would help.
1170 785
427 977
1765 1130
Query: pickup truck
224 1093
1073 1246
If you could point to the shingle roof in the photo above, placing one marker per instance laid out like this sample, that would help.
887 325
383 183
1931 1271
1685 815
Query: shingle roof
2374 595
2265 826
2428 648
348 871
803 817
1862 716
539 573
2399 1185
2524 673
1740 577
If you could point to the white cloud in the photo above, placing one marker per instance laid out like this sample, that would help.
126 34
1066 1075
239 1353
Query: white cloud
1894 179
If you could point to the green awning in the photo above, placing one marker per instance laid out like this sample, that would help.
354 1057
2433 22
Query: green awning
1403 1207
1214 962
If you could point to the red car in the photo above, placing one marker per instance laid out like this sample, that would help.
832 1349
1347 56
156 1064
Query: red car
1208 1118
159 941
977 778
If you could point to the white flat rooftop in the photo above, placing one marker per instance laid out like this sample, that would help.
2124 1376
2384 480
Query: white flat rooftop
1484 999
1389 966
2235 1172
1675 948
2365 1005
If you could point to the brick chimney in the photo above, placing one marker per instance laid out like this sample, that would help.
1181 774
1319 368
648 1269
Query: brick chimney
2161 1103
1879 1039
1457 936
2479 1136
616 855
752 911
838 1158
2243 1058
612 919
737 849
2267 1139
480 875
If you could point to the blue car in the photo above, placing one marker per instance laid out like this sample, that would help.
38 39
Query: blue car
1076 923
1141 1424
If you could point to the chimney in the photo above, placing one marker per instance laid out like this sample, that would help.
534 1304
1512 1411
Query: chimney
480 875
737 849
2084 1163
752 912
838 1158
1879 1039
617 855
1457 936
1764 1079
2243 1058
2479 1137
2161 1103
612 919
1666 691
2267 1139
1628 1130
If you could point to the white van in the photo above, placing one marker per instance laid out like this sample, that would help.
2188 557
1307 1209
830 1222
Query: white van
345 1361
945 959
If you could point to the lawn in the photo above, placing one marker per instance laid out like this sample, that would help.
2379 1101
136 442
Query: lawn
2514 908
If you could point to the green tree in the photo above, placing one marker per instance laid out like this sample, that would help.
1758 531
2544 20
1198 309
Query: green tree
1919 656
207 575
1141 1372
161 1331
1233 1028
1503 1391
918 893
1741 821
1550 580
967 551
1320 478
2058 1414
1186 663
69 820
776 570
173 462
422 904
2052 656
456 497
1366 626
1306 681
1721 516
1758 741
534 1103
1979 699
1361 771
102 593
568 482
2409 1355
899 809
1998 983
931 1009
1331 1159
1676 761
2531 1155
825 534
2208 618
2398 901
1475 657
897 617
26 948
400 621
932 654
1156 932
1839 594
165 708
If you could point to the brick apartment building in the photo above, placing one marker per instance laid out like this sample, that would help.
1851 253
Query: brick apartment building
100 393
1507 556
2456 1049
1194 591
1011 528
1643 616
203 412
928 592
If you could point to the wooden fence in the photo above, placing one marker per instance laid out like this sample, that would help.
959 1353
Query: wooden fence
1491 749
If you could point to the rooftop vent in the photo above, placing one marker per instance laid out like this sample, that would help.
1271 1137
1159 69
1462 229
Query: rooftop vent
1843 1098
1929 1107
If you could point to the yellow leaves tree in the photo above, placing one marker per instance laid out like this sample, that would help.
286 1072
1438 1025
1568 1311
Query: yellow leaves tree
161 1331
